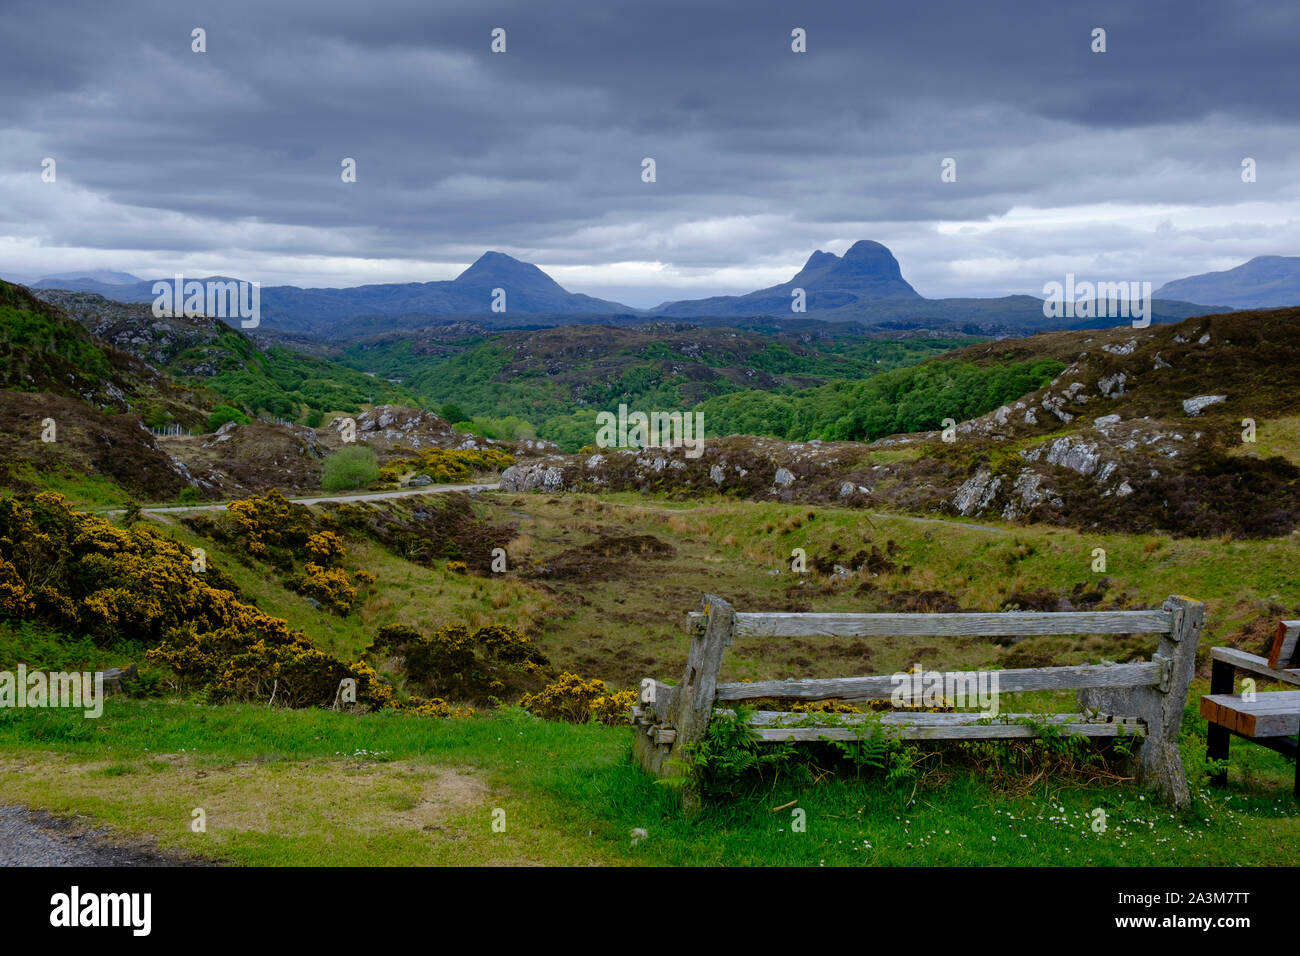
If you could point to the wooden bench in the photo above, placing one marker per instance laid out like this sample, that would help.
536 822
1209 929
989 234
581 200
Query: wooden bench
1144 698
1268 718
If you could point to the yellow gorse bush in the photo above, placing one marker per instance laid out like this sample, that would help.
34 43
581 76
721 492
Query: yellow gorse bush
445 465
435 707
579 701
79 573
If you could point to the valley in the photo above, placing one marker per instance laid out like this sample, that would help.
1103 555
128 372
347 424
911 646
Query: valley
917 471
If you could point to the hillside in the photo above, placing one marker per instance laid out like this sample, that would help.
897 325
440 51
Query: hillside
206 351
103 401
1107 428
553 381
1127 437
94 394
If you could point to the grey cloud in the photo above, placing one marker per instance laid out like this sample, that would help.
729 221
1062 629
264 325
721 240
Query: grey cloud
237 151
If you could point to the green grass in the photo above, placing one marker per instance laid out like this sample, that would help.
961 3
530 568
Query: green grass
86 491
286 787
571 795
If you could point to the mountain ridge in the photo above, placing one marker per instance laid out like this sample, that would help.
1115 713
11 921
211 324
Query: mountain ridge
1264 282
864 286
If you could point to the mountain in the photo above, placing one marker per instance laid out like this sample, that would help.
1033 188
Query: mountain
864 287
60 280
867 271
1264 282
329 312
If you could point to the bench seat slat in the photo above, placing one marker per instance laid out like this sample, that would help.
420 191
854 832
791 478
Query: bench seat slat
1270 714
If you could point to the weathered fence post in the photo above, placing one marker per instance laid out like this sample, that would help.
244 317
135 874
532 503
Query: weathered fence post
676 718
1159 761
692 704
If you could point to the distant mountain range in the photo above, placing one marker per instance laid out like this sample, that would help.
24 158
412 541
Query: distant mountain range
1265 282
864 286
62 280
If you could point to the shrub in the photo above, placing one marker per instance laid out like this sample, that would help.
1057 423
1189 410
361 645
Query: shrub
435 707
80 574
454 664
577 701
330 586
270 527
325 548
355 466
223 414
449 464
261 659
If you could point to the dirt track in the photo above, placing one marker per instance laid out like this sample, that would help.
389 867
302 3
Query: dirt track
322 499
34 838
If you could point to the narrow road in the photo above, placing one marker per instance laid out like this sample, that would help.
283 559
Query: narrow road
34 838
326 499
442 489
948 521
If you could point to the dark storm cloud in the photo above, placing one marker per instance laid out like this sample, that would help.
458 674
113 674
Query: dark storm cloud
762 154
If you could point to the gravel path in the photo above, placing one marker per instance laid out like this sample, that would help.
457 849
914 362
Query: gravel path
320 499
33 838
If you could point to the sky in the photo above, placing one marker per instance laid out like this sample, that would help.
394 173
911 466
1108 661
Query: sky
1116 165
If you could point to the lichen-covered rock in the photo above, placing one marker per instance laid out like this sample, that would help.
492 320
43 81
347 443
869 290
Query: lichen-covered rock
1112 385
1198 404
1028 493
1078 456
976 492
529 477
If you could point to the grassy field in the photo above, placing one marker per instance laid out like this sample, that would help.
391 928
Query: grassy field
322 788
603 583
622 613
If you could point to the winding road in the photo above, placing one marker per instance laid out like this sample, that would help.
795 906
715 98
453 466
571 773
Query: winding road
320 500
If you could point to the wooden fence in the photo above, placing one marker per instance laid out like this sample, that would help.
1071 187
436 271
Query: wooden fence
1143 698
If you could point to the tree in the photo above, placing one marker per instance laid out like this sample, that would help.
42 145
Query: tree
355 466
225 413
